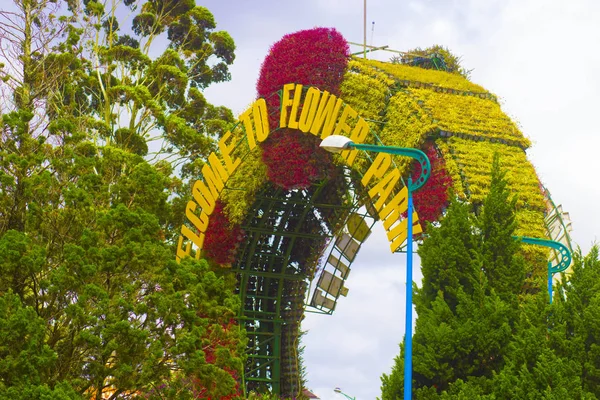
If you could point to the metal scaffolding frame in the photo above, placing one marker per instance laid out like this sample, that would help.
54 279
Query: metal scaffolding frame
273 272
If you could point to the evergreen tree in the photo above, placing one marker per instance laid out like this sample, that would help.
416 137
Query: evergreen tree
575 326
446 259
552 354
445 264
92 303
498 250
465 308
533 369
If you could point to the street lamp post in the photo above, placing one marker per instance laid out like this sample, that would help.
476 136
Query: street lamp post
336 144
338 390
561 251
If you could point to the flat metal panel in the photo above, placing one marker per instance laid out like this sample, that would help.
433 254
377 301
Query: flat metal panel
330 283
319 300
358 227
340 266
347 246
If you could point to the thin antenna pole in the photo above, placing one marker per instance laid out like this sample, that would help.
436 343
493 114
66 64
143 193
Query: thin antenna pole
365 31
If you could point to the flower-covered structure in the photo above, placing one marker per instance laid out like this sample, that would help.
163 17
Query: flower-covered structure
272 201
459 124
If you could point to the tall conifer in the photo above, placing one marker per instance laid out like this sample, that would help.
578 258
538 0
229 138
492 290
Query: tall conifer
575 322
467 302
498 253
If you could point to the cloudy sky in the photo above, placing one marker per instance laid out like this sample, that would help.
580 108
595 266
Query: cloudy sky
539 56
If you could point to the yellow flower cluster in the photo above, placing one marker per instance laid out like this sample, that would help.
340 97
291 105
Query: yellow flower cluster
531 223
243 186
474 160
365 94
361 66
452 168
407 125
472 128
366 90
452 113
438 79
471 115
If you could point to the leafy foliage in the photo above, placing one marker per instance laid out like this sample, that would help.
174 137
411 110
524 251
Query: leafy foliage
130 97
575 325
478 335
451 62
498 251
551 354
92 303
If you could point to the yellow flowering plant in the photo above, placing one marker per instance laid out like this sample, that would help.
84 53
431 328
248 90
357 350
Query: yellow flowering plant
414 106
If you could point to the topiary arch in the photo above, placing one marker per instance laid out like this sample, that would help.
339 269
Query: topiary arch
271 202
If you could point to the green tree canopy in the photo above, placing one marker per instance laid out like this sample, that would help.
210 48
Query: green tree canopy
92 302
430 57
479 335
553 351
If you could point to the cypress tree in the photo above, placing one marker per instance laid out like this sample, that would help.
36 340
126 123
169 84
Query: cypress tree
498 251
472 275
575 319
532 368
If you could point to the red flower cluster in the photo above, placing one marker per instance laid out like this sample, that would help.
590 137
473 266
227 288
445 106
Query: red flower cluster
431 200
222 240
316 57
294 159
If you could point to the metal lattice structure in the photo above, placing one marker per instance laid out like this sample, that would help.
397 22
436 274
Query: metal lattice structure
287 233
296 257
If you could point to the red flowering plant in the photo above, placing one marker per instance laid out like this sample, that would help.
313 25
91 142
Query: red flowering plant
314 57
294 160
217 376
222 238
215 363
431 199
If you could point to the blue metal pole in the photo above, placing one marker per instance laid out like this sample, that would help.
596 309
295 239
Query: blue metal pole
561 250
550 282
408 322
337 143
